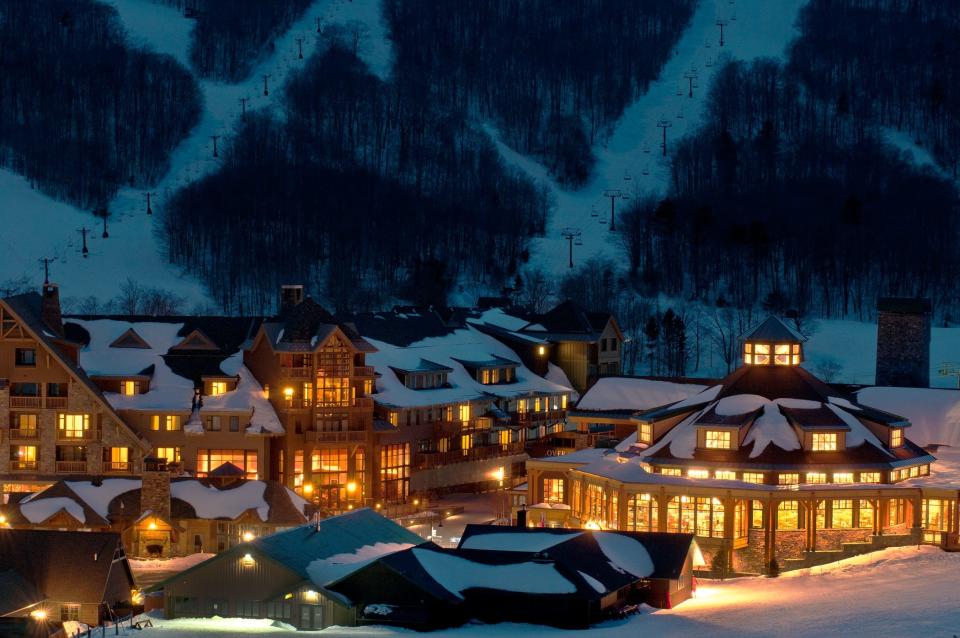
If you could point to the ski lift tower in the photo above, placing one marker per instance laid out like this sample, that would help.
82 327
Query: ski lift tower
574 237
614 194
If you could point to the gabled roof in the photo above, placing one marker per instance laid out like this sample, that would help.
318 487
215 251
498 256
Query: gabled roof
569 321
196 340
129 339
399 327
41 506
494 361
772 329
64 566
423 366
26 308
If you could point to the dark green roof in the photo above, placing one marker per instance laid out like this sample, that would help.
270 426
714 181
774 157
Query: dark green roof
772 329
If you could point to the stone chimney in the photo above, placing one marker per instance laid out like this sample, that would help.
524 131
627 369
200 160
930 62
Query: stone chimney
290 296
903 342
155 493
50 308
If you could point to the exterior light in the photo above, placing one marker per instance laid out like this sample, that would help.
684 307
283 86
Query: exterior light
350 506
248 536
152 525
288 392
247 560
542 350
38 614
498 474
3 519
592 525
308 488
351 487
416 501
311 596
379 506
266 390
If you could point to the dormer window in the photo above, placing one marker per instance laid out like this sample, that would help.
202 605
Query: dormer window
129 388
717 439
217 388
896 437
645 433
824 442
773 343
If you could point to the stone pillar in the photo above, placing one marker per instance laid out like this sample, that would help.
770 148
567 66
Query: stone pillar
770 550
155 493
903 342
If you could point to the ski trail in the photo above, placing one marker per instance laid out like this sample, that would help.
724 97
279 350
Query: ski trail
46 227
754 29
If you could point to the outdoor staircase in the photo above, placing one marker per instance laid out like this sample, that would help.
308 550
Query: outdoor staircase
847 550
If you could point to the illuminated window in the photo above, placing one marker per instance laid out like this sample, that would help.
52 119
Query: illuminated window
761 353
842 515
816 478
869 477
896 437
536 404
700 515
718 439
209 460
781 354
563 401
73 426
129 388
465 413
866 514
116 458
671 471
642 513
26 425
392 418
788 515
843 477
725 475
69 611
298 468
170 454
553 490
824 442
698 473
645 433
596 505
789 478
217 388
575 498
753 477
23 457
395 471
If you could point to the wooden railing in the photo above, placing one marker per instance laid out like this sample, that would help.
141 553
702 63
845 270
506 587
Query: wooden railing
23 466
426 460
25 402
116 466
336 437
364 371
72 467
89 434
55 402
302 373
24 433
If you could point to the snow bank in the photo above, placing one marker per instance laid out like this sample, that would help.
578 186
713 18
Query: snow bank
177 564
625 554
327 570
517 541
934 414
626 393
98 497
457 575
771 427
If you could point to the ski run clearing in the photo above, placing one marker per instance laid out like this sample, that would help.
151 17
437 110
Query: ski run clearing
895 592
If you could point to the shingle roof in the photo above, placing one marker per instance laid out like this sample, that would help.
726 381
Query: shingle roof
773 329
72 566
398 328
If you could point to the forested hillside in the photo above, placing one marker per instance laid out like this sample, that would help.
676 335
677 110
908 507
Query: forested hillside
366 190
80 112
552 75
231 35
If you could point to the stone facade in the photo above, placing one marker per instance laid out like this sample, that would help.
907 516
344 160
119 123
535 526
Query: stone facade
903 342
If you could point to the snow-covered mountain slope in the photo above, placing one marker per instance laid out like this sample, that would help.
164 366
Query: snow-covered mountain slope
632 160
44 227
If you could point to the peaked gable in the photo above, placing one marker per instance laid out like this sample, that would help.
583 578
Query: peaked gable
130 339
196 340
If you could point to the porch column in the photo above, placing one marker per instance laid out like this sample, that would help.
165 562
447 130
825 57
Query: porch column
770 536
877 528
813 505
661 497
916 510
622 497
533 481
729 527
883 513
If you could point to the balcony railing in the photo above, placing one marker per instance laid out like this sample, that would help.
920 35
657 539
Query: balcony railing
77 435
72 467
24 434
300 372
117 466
364 371
23 466
363 402
55 402
426 460
25 402
338 437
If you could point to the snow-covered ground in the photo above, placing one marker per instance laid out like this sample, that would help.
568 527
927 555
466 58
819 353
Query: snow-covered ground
755 28
45 227
903 591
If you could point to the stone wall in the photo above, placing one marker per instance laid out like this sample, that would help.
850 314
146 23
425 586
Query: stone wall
903 343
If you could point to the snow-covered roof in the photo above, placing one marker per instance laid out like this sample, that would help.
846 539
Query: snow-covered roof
169 391
324 571
463 344
516 541
628 393
934 414
39 510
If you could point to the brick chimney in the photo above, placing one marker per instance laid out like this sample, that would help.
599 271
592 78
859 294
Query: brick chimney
50 308
903 342
155 493
290 296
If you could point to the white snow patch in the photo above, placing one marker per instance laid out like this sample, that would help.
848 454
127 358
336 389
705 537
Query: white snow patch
99 497
517 541
934 414
593 582
457 575
626 554
209 502
177 564
39 510
378 610
771 427
327 570
628 393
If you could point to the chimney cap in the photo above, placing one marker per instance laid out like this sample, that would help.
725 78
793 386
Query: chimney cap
904 305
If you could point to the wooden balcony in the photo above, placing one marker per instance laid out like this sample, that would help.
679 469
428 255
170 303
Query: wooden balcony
363 402
364 371
77 435
26 402
71 467
117 467
55 402
349 436
427 460
19 434
298 373
23 466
